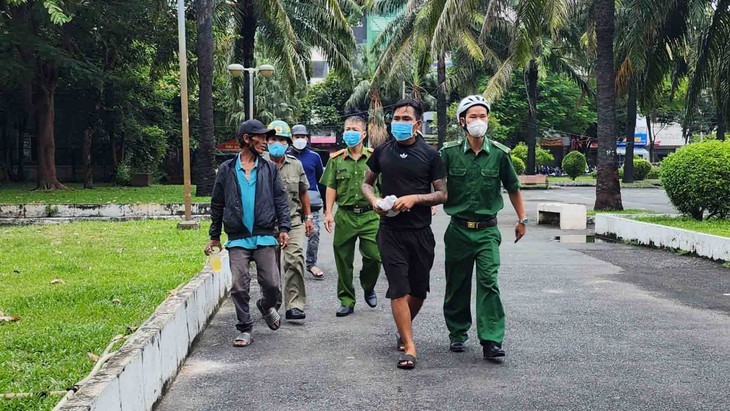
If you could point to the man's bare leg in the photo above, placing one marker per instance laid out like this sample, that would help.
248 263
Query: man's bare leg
414 304
402 317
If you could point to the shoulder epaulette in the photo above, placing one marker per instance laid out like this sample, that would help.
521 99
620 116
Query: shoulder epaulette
337 153
450 144
292 157
501 146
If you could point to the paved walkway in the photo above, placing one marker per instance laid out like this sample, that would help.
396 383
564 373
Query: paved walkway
583 333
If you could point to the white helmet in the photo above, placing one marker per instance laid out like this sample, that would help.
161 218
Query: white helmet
469 102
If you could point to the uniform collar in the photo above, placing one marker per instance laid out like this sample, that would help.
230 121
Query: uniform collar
365 152
485 145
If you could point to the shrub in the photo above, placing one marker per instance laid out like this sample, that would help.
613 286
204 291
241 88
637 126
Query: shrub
697 179
518 165
653 174
542 156
574 164
641 169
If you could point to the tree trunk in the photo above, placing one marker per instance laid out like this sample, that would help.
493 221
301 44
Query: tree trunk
608 189
630 131
441 99
721 124
245 44
86 157
205 156
650 137
532 117
5 170
20 175
45 90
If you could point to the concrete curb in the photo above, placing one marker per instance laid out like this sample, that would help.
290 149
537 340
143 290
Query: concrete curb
137 375
655 235
98 210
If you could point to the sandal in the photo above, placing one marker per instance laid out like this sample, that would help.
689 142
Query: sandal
316 272
406 362
399 344
243 340
272 318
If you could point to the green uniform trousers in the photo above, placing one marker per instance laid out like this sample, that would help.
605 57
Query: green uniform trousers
463 248
348 228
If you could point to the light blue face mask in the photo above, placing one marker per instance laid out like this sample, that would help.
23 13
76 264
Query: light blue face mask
401 131
277 149
352 138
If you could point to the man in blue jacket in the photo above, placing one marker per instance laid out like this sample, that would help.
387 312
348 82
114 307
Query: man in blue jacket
250 202
312 163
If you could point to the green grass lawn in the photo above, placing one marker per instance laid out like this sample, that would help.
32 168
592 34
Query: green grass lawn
716 227
115 275
626 211
102 194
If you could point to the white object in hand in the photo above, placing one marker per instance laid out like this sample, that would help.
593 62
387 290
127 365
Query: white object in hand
386 204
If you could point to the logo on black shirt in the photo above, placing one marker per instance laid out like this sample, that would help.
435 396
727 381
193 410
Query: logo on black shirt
403 155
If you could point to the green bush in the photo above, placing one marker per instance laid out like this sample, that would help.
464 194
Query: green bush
697 179
518 165
653 174
574 164
641 169
542 156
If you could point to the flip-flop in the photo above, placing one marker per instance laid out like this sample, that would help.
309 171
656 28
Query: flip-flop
406 362
316 272
243 340
399 344
272 318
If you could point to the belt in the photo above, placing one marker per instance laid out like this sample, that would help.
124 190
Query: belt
475 225
357 209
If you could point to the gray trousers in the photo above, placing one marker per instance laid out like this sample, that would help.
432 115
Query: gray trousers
313 242
293 269
267 270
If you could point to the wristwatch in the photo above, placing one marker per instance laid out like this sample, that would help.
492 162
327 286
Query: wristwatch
309 217
524 221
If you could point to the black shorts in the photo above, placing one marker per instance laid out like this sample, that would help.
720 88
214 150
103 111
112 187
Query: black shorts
407 257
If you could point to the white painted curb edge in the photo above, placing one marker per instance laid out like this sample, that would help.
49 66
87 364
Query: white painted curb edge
655 235
135 378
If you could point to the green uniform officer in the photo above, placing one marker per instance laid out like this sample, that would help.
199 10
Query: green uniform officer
477 169
354 219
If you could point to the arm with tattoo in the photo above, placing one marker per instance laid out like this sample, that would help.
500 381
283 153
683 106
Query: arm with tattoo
368 188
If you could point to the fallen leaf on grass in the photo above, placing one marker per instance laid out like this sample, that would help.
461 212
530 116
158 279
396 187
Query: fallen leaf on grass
8 319
116 301
93 357
58 281
16 271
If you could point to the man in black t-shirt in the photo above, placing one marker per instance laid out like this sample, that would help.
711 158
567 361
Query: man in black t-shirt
412 171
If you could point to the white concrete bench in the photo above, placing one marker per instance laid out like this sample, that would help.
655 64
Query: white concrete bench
569 216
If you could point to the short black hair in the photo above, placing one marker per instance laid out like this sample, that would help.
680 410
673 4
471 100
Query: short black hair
359 120
409 102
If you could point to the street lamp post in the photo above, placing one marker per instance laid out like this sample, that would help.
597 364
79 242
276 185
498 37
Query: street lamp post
237 70
188 223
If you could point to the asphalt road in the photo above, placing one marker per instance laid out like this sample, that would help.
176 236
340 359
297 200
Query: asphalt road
590 326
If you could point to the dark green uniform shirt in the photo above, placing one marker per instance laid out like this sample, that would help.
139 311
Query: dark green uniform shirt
346 175
474 180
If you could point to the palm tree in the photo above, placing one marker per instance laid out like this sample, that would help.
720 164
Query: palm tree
711 65
423 32
538 42
608 189
205 159
290 29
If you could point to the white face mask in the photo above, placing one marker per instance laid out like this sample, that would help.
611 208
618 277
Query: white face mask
477 128
300 143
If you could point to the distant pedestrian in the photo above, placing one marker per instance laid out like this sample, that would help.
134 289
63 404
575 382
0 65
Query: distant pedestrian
250 203
355 219
478 168
312 163
412 171
296 185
